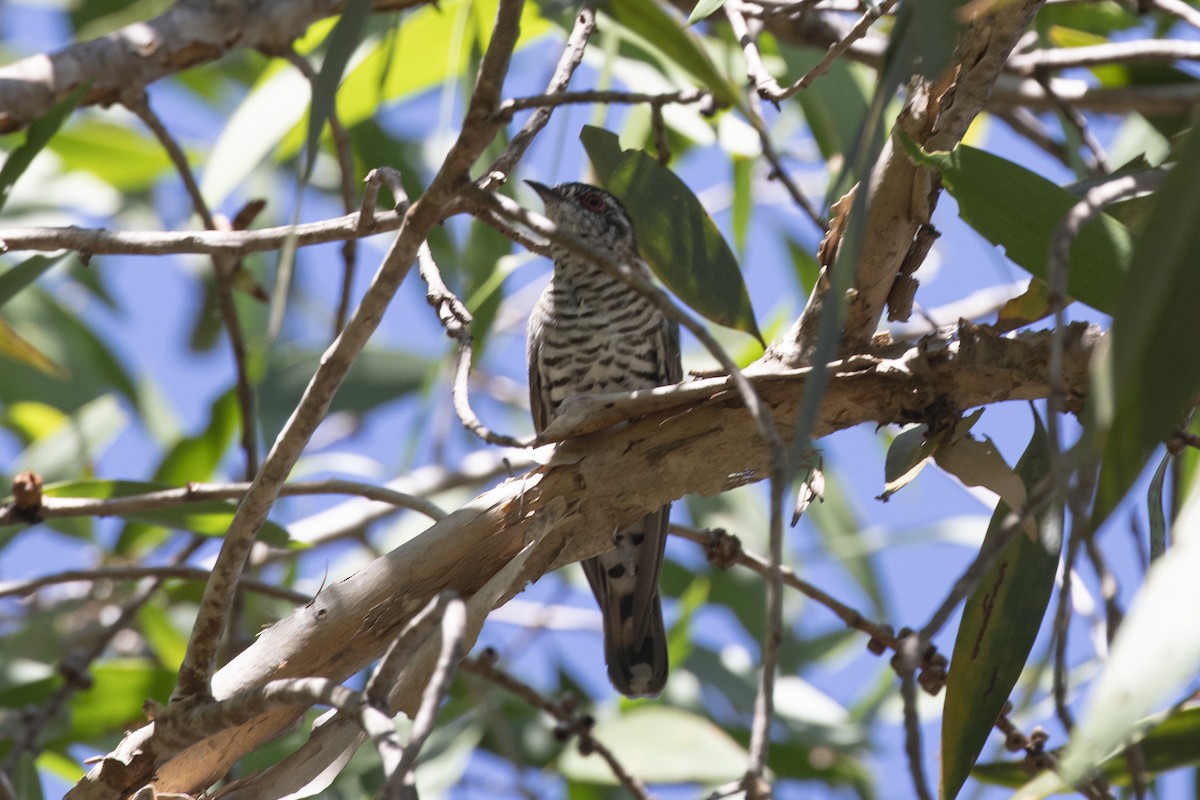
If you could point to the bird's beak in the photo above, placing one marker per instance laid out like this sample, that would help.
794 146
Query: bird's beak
545 192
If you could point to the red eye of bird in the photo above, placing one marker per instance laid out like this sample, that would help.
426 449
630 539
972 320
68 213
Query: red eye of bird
592 201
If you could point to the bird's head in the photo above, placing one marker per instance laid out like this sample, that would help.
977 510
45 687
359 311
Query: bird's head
590 213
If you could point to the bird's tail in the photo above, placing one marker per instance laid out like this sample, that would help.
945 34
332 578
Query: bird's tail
625 582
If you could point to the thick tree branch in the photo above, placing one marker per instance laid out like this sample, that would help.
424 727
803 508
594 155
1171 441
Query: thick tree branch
901 196
557 513
125 62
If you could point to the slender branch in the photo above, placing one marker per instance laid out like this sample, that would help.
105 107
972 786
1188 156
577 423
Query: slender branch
98 241
564 711
176 730
912 737
509 108
457 321
57 507
724 549
778 172
1141 51
1079 124
224 269
1026 124
74 666
572 55
400 782
28 587
1180 9
767 87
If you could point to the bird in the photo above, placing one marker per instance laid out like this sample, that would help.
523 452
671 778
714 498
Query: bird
591 333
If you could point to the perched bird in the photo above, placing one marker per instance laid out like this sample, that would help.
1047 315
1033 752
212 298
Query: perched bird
589 333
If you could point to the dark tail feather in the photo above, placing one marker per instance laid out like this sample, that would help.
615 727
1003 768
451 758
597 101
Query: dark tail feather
636 668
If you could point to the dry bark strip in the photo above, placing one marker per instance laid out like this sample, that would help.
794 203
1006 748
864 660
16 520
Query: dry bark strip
901 196
693 439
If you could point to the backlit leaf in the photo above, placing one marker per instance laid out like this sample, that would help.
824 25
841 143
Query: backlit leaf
37 135
999 624
1020 210
1149 376
678 238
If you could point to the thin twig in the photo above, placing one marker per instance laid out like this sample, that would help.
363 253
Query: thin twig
1180 9
912 737
28 587
75 664
457 321
1142 51
778 172
1025 123
572 55
224 269
1062 622
766 86
724 549
98 241
57 507
1099 164
509 108
400 782
564 711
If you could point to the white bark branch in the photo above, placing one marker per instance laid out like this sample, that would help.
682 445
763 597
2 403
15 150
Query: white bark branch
693 438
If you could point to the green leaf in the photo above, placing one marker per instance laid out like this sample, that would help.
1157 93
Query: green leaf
703 9
205 517
743 201
1149 376
163 637
377 377
270 110
65 338
907 455
342 42
999 624
656 26
835 105
678 238
39 132
660 744
114 700
190 459
1151 661
122 157
17 278
16 347
1154 508
69 450
1019 211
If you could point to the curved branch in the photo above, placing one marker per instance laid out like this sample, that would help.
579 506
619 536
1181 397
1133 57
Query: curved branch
124 62
560 513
